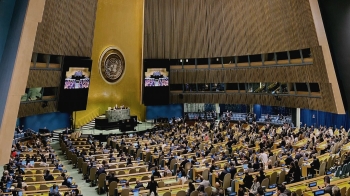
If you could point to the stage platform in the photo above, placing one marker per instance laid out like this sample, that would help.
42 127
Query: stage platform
139 128
101 134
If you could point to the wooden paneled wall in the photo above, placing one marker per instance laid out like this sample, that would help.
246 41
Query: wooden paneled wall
43 78
325 103
312 73
67 28
210 28
35 108
179 29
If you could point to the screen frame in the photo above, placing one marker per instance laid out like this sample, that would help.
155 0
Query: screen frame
71 100
159 95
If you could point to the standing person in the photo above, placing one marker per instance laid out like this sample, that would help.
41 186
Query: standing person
71 122
152 186
264 158
190 189
314 165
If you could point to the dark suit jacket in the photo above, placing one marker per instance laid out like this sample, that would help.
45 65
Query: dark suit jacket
222 175
288 160
298 156
248 181
233 172
328 189
157 174
110 180
100 171
183 163
315 164
297 174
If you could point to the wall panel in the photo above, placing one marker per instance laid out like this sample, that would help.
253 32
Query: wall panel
35 108
44 78
211 28
67 28
51 121
286 101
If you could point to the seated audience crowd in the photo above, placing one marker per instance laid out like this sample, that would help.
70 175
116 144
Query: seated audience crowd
33 160
208 155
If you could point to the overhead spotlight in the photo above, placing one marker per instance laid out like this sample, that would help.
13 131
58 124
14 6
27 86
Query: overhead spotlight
217 59
186 60
181 60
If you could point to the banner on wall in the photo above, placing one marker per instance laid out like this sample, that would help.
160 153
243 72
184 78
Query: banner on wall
201 107
194 107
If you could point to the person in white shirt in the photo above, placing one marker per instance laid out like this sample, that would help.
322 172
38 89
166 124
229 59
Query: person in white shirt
204 182
263 157
330 132
163 146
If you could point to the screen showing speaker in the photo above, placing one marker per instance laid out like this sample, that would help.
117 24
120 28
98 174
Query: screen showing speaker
155 77
75 84
77 78
156 81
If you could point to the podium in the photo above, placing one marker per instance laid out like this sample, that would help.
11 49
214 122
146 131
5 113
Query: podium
101 123
116 119
117 115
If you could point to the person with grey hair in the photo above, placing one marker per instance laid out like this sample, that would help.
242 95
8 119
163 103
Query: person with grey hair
335 191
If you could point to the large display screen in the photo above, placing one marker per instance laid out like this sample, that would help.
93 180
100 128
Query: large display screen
155 77
75 84
156 81
77 78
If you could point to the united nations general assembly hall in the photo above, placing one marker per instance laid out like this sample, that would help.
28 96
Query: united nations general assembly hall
174 98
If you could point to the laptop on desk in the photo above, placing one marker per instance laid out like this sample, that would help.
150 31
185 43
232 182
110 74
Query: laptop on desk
245 166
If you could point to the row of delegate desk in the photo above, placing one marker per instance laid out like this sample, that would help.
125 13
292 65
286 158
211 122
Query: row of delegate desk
34 177
199 169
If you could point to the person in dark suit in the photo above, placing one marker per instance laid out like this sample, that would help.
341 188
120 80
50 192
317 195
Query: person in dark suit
112 178
261 176
289 159
48 176
183 163
222 174
233 171
315 165
152 186
156 173
100 170
327 187
297 156
138 184
256 164
297 172
247 180
290 173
